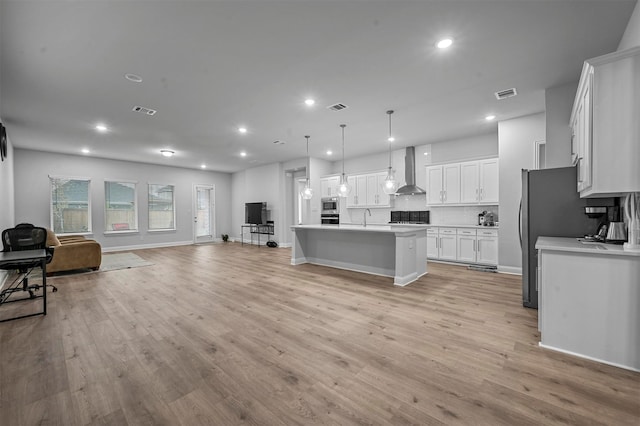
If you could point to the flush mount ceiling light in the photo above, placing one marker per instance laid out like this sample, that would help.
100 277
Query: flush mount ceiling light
490 117
309 102
243 154
307 192
444 43
343 188
390 184
133 78
166 153
242 129
329 152
102 128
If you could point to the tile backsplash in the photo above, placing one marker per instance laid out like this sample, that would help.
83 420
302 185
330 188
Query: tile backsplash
462 215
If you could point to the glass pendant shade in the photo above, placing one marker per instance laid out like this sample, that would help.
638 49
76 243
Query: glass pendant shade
390 184
307 192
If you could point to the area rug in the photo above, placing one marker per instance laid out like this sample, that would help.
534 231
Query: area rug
115 261
110 262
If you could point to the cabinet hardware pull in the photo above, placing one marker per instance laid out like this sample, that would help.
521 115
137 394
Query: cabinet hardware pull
477 196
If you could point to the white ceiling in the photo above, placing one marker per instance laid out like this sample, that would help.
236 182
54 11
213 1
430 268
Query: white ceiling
210 66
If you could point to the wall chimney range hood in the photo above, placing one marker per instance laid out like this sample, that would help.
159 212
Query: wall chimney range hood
410 187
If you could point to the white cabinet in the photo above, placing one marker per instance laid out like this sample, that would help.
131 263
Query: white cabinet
432 243
487 246
443 184
329 186
466 245
468 183
366 191
479 182
604 125
358 195
375 195
447 242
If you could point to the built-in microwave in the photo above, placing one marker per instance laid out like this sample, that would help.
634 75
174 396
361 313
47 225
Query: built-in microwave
330 205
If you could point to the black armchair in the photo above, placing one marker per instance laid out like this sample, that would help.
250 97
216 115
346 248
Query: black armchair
24 237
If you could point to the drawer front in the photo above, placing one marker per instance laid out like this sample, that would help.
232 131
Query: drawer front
466 231
433 231
447 231
488 232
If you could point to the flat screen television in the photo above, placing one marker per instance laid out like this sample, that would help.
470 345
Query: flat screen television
255 213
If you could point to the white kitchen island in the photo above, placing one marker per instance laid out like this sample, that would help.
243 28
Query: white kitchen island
388 250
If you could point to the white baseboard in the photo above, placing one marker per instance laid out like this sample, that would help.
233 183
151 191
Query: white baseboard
509 270
146 246
590 358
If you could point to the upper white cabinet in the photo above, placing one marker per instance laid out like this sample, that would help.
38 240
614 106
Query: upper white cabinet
468 183
479 182
604 125
366 191
443 184
329 186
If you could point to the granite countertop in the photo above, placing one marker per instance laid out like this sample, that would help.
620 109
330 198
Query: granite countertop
577 246
422 225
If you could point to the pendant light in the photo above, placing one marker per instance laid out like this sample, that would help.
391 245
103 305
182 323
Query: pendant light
343 188
307 192
390 184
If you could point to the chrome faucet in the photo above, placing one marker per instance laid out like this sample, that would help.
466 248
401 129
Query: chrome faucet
365 216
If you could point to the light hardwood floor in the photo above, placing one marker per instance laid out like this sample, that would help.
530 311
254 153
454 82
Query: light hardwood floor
226 334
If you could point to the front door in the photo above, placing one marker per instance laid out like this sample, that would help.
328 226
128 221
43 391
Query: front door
204 208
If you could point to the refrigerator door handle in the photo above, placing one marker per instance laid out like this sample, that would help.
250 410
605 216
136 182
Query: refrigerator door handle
520 223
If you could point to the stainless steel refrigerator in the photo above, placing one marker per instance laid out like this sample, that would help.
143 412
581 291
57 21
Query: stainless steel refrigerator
551 206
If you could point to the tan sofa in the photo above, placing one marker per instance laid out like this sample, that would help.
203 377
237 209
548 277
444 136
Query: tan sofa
73 252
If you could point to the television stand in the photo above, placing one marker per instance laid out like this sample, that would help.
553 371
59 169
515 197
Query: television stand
258 230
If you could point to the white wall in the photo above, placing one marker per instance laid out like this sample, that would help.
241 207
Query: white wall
32 197
631 36
7 200
558 104
516 138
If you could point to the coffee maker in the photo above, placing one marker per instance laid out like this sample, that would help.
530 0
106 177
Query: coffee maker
608 215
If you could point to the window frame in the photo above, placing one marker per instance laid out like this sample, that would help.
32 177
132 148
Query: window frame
107 227
173 205
89 230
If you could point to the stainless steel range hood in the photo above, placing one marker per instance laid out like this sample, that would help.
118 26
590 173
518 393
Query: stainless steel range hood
410 174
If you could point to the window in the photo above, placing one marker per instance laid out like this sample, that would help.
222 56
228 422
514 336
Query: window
70 205
162 211
121 210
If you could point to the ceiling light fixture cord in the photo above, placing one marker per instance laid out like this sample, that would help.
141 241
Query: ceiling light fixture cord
390 185
344 188
307 192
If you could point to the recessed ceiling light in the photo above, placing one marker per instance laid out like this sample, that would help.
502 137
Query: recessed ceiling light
490 117
85 151
329 152
166 153
243 154
203 166
133 78
102 128
444 43
309 102
391 139
242 129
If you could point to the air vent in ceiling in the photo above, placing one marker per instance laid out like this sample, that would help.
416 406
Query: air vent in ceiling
337 107
504 94
279 142
144 110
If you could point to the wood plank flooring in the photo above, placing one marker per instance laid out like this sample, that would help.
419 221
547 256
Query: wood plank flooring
225 334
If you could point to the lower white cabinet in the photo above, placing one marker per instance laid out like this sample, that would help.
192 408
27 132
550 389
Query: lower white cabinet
448 244
465 245
487 246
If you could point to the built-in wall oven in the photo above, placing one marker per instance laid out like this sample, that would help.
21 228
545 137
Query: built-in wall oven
330 211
